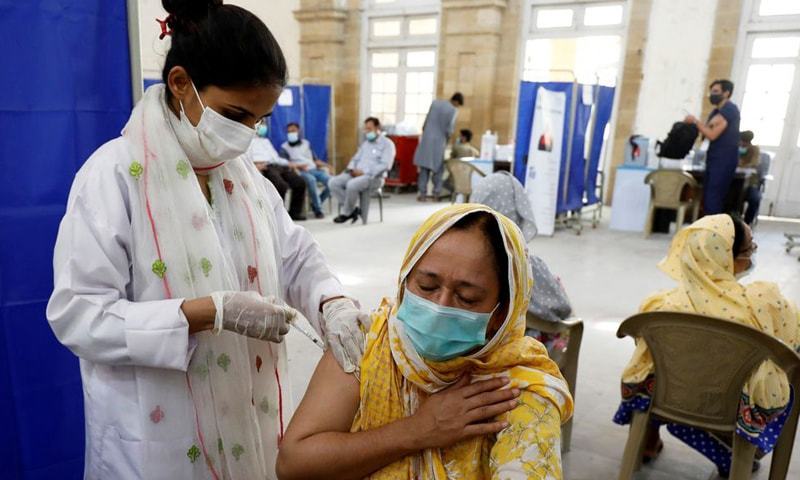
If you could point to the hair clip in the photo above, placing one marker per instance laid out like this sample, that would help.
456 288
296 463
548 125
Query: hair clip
165 30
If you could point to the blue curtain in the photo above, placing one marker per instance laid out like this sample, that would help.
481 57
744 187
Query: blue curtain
527 106
605 104
578 181
64 90
283 115
310 108
317 110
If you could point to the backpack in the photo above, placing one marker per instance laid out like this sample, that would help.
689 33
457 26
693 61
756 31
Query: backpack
679 141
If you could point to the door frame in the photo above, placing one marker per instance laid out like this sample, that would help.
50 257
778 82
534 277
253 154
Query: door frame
751 25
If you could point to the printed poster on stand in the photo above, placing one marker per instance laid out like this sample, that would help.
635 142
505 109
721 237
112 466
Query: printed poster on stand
544 157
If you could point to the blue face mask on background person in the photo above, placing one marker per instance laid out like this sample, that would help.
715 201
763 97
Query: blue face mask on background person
440 333
262 131
742 151
293 137
371 136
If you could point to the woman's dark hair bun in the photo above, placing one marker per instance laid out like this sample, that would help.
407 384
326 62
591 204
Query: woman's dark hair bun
222 45
184 13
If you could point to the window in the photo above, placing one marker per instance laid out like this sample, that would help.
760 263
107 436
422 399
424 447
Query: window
776 47
554 18
767 90
422 26
401 76
603 15
386 28
765 99
418 97
588 45
402 86
768 8
385 59
421 58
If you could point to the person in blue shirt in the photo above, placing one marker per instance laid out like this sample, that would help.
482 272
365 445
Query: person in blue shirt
301 157
722 130
366 170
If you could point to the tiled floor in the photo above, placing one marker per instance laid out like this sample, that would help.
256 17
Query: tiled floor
606 274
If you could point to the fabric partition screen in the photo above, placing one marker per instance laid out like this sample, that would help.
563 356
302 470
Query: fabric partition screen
286 110
573 172
316 114
527 106
604 106
575 178
65 89
309 106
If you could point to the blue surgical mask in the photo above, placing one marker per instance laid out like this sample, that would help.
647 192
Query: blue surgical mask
440 333
371 136
742 151
293 137
262 131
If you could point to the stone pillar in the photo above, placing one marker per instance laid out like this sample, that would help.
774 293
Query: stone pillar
723 46
469 53
629 87
330 38
508 73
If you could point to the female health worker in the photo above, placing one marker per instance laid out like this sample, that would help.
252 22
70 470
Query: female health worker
178 271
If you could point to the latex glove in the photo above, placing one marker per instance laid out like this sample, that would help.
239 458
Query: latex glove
251 315
344 334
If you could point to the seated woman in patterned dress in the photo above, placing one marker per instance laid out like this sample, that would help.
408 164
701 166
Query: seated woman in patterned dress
706 259
450 387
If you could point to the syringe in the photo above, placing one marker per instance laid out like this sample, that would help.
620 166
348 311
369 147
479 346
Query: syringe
309 335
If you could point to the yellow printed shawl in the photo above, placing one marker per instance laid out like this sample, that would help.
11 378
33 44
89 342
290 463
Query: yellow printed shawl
394 378
700 259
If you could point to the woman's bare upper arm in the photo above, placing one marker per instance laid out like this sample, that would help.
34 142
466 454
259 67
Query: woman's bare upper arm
330 403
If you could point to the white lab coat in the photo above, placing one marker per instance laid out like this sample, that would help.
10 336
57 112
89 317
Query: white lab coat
92 311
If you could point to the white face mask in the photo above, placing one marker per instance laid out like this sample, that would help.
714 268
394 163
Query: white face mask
214 140
748 271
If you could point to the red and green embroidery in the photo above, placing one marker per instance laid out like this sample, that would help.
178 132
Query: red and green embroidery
238 234
159 268
201 371
136 169
264 405
157 414
224 361
237 451
183 168
193 453
205 266
198 221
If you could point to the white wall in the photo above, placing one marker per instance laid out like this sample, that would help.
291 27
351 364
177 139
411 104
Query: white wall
277 15
675 64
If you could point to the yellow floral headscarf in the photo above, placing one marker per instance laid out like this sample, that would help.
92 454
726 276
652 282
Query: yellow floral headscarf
394 377
700 259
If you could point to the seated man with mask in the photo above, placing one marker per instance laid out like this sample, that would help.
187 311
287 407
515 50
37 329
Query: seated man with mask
297 151
366 170
277 171
459 317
